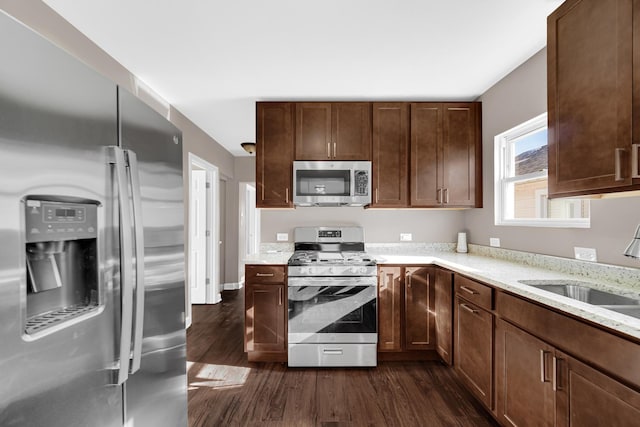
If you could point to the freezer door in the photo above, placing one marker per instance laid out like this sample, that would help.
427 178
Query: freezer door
56 117
157 393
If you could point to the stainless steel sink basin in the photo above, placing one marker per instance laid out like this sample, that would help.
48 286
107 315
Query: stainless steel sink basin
581 292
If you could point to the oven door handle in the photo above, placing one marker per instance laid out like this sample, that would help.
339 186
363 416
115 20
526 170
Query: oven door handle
332 281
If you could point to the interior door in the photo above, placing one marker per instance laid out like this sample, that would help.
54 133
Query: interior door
198 225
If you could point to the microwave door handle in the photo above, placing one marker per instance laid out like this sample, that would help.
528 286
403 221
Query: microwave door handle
352 184
117 158
139 257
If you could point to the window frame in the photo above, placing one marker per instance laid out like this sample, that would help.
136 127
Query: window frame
502 179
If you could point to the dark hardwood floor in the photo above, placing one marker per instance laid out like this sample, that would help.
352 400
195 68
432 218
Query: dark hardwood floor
226 390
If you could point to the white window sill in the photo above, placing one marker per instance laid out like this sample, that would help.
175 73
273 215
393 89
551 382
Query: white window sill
550 223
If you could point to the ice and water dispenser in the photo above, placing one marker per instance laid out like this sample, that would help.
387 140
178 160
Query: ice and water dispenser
61 248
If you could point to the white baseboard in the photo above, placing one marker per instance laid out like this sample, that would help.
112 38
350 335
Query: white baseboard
232 286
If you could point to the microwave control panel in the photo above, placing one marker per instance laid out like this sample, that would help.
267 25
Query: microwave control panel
361 183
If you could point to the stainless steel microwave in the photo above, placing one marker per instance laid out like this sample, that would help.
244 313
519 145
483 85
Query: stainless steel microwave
323 183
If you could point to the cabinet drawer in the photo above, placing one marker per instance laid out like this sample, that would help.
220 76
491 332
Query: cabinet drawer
475 292
264 274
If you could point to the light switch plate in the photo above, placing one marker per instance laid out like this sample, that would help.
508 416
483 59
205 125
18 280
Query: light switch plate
282 237
406 237
494 241
585 254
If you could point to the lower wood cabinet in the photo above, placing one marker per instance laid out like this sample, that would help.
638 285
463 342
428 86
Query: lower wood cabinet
406 304
265 313
539 385
473 351
444 314
524 392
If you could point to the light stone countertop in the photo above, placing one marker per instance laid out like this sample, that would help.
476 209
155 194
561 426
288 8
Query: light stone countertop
505 274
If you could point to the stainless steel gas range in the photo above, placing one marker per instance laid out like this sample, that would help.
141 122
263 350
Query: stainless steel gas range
332 289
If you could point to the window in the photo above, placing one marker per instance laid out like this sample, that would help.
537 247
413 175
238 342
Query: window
521 181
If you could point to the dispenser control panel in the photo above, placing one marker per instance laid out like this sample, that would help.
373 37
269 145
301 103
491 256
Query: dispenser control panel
59 220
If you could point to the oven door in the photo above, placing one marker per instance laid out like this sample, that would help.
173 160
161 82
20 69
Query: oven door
332 309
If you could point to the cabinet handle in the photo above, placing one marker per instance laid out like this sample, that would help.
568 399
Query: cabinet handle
439 195
279 296
446 195
635 173
408 279
328 150
469 309
264 274
335 150
543 366
286 195
469 290
376 195
619 153
554 379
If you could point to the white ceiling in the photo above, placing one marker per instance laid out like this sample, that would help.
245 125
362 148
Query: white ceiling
213 59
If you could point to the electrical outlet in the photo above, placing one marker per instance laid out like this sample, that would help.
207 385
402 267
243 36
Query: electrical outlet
406 237
494 241
282 237
585 254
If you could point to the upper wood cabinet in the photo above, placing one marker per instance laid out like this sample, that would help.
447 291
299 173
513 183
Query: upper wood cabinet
333 131
593 55
274 154
446 155
390 162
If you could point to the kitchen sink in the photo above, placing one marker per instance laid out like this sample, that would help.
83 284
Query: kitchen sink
581 292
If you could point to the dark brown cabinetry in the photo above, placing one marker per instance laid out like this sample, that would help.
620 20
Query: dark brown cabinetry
390 161
524 393
593 54
473 352
444 314
537 384
274 154
446 155
406 303
265 312
333 131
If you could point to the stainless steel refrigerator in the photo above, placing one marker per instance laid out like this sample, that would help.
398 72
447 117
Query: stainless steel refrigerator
92 296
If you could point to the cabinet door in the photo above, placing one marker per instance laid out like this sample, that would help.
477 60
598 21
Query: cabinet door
462 155
419 300
265 318
351 130
590 72
274 154
473 352
389 306
524 393
426 154
444 314
390 154
313 131
587 397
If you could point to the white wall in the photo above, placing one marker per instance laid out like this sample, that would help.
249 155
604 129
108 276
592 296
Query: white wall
381 226
518 97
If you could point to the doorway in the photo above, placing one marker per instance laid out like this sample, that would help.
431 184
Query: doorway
204 197
249 226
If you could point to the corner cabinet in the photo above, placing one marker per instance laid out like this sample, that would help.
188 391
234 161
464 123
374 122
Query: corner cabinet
266 313
446 155
274 154
406 309
593 58
333 131
443 296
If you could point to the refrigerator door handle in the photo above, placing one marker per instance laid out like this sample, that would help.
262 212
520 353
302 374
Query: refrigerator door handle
139 252
117 158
